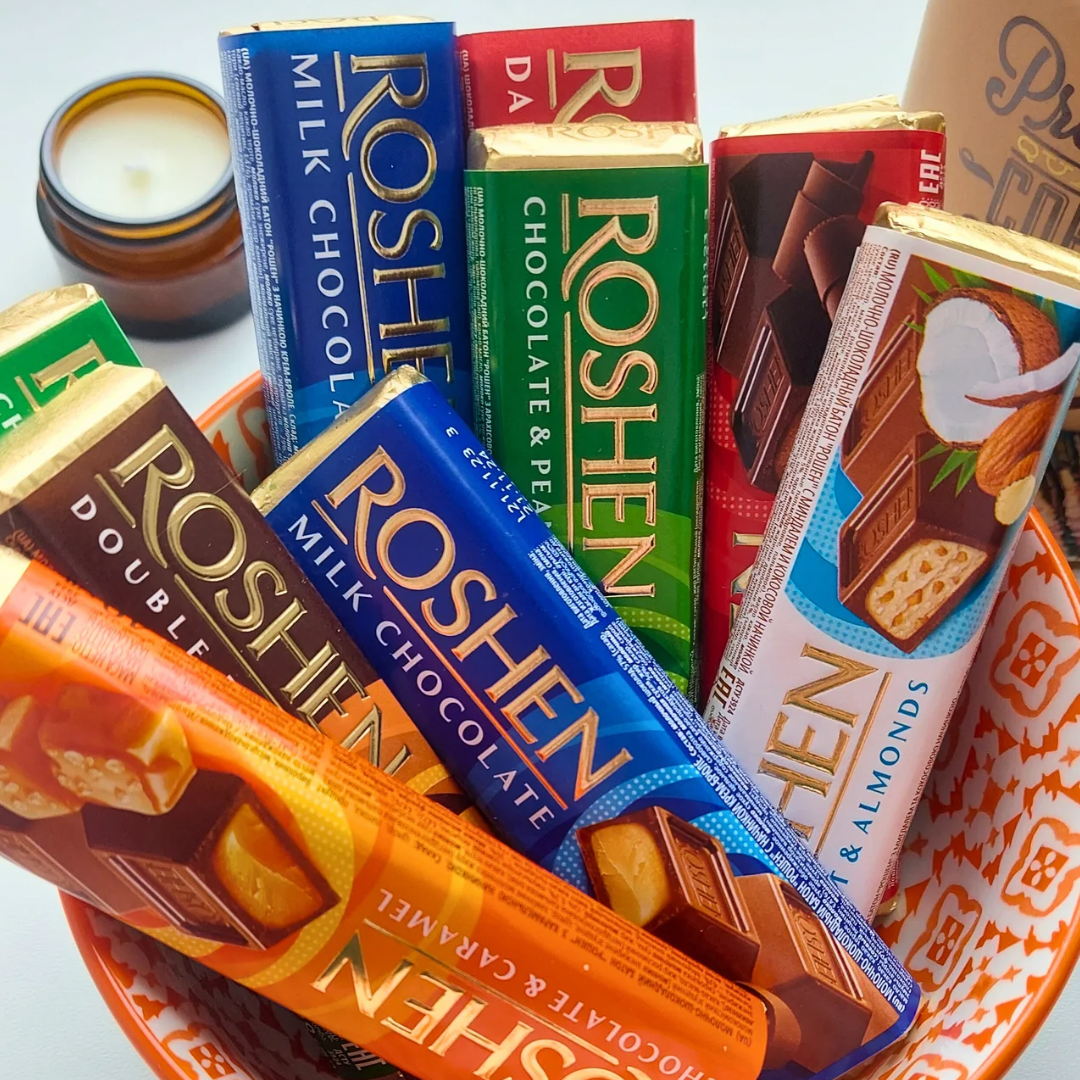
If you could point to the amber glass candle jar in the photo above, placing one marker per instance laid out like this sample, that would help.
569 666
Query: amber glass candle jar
136 195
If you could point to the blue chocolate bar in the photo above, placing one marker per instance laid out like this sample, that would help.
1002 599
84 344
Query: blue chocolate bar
348 148
535 694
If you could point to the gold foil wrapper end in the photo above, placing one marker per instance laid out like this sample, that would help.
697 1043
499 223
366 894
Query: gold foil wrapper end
324 24
1015 250
283 479
596 144
25 320
48 441
872 114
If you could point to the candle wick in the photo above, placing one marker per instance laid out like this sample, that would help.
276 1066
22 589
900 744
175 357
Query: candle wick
139 173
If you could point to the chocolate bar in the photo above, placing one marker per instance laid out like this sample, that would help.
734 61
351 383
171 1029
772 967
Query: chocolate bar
397 963
55 849
791 337
791 197
831 189
888 410
915 547
218 866
662 873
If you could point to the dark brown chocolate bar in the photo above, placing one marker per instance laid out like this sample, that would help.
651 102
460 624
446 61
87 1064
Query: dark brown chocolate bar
674 880
790 342
888 410
800 964
750 222
914 546
55 849
217 866
113 486
831 189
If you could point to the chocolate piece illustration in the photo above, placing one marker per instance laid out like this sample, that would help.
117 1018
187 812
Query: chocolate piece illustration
28 785
111 749
791 340
218 866
55 848
831 188
661 873
750 223
888 411
801 965
913 549
830 250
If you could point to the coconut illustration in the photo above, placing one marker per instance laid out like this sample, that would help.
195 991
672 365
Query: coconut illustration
984 354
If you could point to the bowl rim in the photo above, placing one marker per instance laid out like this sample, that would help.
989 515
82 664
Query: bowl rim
1002 1058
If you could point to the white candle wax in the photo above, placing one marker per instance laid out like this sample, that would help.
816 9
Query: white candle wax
143 156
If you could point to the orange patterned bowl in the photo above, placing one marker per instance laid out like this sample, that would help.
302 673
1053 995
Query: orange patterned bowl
989 906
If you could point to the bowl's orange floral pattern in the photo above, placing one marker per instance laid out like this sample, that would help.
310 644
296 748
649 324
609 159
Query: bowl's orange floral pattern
988 918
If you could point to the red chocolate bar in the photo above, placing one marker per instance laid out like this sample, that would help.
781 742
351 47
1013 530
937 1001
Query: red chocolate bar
217 866
915 546
636 71
791 199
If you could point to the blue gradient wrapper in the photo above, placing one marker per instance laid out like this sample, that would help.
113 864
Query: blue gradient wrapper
348 149
538 698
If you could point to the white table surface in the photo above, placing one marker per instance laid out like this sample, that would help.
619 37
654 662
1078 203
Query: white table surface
756 58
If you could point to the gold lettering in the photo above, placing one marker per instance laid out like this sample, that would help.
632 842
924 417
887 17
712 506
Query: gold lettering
392 526
417 354
410 275
739 584
485 635
617 380
357 480
846 671
405 237
183 512
639 547
590 493
66 369
802 753
613 230
462 614
278 630
620 416
328 693
609 271
597 82
459 1028
156 478
535 695
386 84
431 1014
367 1000
256 606
586 727
792 780
530 1057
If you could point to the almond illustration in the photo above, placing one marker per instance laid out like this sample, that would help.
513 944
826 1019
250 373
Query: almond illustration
1011 450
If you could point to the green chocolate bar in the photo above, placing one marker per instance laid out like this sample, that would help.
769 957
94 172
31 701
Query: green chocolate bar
49 340
587 261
